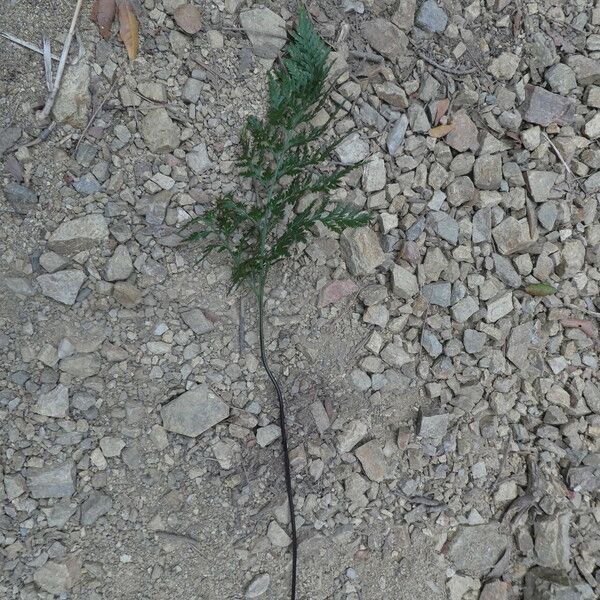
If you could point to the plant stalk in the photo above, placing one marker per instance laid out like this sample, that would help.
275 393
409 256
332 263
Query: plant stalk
284 440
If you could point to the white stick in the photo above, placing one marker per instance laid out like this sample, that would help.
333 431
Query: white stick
20 42
61 65
48 64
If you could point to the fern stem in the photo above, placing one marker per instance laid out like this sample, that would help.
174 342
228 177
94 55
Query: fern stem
284 439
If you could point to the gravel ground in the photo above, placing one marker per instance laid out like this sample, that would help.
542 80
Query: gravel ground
440 366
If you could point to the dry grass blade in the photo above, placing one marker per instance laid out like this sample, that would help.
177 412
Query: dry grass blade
129 28
103 14
48 63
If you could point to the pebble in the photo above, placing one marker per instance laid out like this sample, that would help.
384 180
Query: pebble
194 412
431 17
62 286
52 481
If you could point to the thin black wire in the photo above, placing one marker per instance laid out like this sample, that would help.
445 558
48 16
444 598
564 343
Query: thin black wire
284 443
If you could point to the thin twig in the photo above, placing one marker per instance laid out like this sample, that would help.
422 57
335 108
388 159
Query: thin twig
20 42
583 310
42 137
437 65
61 65
370 56
284 442
563 161
94 115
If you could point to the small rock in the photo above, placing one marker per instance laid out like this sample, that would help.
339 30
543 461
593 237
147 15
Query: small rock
62 286
54 577
552 545
160 133
277 536
119 266
504 67
495 590
334 291
374 175
541 184
518 345
543 583
74 99
433 425
392 94
385 38
397 134
352 433
352 149
439 294
431 17
191 91
592 128
474 550
587 70
197 321
54 403
8 138
444 226
265 30
79 234
96 506
591 394
194 412
87 185
511 235
362 250
464 309
499 307
258 586
20 197
55 481
267 435
81 365
487 172
197 160
561 79
474 341
543 107
404 283
506 272
188 18
373 460
464 135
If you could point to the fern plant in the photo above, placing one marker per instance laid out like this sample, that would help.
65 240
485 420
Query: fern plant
282 154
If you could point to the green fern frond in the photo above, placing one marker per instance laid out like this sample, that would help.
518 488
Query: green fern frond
283 153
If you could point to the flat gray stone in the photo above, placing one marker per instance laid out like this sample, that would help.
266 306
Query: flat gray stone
62 286
432 17
265 30
361 250
119 266
74 99
352 149
197 160
373 460
267 435
541 184
385 38
475 550
54 403
81 365
79 234
54 577
404 283
543 107
353 432
96 506
433 425
54 481
439 293
258 586
194 412
159 131
197 321
552 544
396 135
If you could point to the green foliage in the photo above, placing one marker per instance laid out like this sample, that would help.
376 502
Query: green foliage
282 154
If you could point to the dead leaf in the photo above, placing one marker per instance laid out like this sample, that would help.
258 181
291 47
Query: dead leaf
586 326
440 131
103 14
128 28
540 289
440 110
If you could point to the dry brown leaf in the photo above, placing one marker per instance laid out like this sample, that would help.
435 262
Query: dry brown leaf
586 326
103 14
441 108
128 28
440 131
